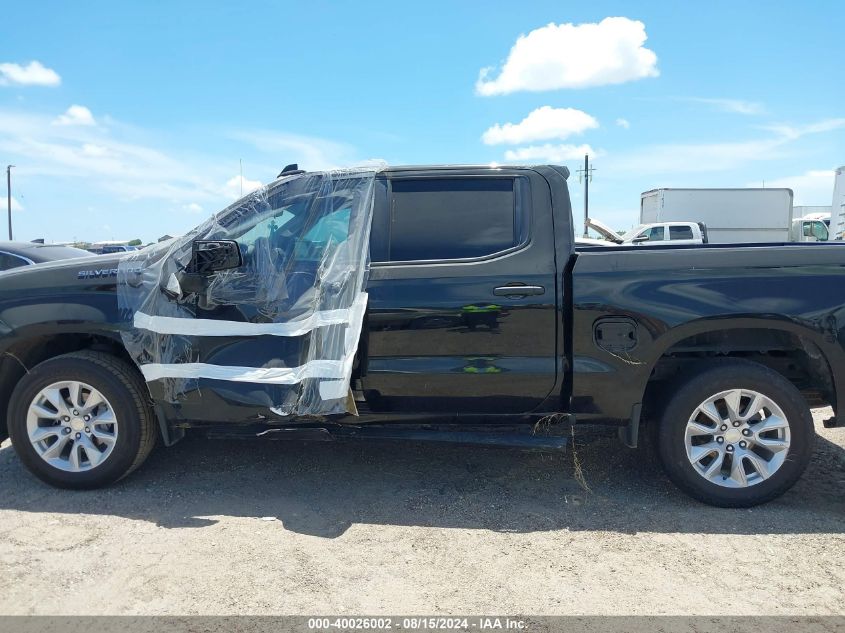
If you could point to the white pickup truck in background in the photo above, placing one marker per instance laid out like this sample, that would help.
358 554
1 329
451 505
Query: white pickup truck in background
719 216
653 234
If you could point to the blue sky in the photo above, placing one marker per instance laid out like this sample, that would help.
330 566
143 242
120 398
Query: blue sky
134 118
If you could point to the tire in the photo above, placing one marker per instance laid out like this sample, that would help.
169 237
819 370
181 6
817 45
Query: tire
681 440
122 447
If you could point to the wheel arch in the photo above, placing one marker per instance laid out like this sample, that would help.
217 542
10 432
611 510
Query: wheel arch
24 353
721 480
793 350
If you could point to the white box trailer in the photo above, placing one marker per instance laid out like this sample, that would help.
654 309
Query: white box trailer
731 215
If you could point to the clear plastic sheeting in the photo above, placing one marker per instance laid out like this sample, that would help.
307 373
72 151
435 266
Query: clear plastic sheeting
287 320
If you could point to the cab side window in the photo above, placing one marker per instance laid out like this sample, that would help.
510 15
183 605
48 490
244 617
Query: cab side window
680 233
455 218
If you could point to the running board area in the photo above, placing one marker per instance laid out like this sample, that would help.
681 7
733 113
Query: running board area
524 440
487 437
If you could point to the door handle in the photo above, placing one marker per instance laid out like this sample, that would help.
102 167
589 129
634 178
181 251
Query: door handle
518 291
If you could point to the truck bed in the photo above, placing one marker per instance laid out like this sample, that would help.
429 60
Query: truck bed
757 294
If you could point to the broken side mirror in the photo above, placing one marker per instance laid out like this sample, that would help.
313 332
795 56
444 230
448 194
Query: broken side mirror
207 257
210 256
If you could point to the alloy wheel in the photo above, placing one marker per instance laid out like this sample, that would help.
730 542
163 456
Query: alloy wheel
737 438
72 426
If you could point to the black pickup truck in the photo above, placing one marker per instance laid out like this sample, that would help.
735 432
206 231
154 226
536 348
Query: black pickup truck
483 325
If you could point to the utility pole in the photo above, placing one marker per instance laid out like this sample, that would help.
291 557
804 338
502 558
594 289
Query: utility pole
587 174
9 196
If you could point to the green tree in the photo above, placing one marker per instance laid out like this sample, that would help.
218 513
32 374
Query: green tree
135 243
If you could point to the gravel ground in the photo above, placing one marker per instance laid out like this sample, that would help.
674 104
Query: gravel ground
263 527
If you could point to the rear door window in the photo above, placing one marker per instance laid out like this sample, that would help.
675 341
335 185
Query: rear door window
680 233
455 218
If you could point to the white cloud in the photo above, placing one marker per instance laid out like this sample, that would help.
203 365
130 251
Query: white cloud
717 156
310 153
16 206
109 161
697 157
91 155
541 124
91 149
623 123
76 115
573 56
146 182
814 187
237 186
792 132
33 74
737 106
549 153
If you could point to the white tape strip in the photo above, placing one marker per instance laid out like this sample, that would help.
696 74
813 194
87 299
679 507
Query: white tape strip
335 372
213 327
269 375
335 389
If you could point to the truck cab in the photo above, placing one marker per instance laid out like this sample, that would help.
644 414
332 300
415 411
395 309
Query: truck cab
809 230
654 233
666 233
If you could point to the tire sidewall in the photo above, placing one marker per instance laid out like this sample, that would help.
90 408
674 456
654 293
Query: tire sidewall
742 375
122 403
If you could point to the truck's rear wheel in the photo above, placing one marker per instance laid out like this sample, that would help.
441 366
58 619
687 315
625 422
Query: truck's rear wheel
81 420
736 434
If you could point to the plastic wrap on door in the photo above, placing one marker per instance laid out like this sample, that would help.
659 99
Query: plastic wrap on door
304 242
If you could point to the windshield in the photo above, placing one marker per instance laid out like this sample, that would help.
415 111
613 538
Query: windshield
297 230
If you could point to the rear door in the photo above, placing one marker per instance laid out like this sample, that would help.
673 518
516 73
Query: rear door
462 293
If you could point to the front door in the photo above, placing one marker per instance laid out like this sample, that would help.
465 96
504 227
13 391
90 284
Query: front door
274 336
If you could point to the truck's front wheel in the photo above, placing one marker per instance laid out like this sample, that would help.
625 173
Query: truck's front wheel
81 420
736 434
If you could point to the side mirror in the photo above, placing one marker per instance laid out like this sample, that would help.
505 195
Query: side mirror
640 238
209 256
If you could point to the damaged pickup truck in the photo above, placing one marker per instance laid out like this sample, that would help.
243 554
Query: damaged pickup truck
431 303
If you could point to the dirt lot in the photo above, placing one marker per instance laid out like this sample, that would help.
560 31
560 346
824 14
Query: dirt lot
256 527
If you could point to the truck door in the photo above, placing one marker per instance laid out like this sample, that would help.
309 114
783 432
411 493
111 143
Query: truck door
814 231
270 330
462 293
